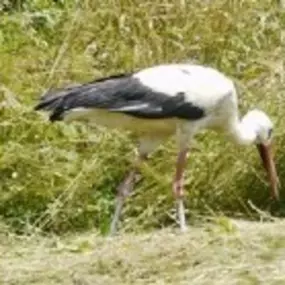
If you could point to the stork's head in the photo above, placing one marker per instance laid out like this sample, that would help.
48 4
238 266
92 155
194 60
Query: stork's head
262 127
260 124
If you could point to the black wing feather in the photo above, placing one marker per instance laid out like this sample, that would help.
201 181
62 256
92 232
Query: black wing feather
119 93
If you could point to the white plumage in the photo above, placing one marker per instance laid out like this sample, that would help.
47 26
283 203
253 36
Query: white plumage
158 102
174 78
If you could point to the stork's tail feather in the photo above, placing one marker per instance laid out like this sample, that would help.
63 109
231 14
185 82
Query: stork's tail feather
52 101
100 93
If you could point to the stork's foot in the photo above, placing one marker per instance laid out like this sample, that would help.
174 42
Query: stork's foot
181 215
178 188
116 217
179 194
124 189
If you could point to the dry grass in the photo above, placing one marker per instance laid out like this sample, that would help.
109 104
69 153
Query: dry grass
224 252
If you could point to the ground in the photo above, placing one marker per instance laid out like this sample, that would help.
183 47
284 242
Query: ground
223 251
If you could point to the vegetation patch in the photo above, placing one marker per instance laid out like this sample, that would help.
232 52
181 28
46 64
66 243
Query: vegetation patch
61 178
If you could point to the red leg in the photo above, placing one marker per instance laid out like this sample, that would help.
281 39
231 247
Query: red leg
145 147
178 187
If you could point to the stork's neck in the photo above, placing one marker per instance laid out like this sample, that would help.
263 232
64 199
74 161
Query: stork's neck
243 131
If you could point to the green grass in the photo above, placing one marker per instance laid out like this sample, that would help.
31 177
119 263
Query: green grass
250 254
62 178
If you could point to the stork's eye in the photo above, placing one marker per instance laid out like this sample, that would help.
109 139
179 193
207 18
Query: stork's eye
270 133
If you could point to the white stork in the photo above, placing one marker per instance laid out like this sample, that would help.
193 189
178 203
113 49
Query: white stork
156 102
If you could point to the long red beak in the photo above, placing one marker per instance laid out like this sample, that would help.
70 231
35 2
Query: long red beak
269 165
